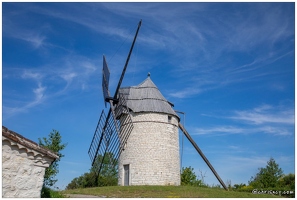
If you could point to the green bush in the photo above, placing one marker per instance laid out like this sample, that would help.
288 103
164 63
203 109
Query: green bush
287 181
108 174
188 177
49 193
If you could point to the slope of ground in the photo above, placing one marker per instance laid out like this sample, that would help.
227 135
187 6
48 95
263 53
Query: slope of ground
164 192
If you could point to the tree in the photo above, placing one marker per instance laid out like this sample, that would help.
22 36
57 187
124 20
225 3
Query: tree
238 186
73 184
267 177
287 181
53 143
108 175
188 177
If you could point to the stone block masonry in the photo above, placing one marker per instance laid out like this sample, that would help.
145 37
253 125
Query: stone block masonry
23 165
152 151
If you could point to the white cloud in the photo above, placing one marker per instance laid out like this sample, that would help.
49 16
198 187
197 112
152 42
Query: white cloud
268 119
247 162
234 147
28 74
32 36
219 130
39 93
36 40
275 130
185 93
74 71
89 67
266 114
263 107
250 164
228 130
68 77
39 97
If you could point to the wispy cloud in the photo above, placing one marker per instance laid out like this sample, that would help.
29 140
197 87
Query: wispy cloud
268 119
185 93
34 36
206 77
250 163
266 114
36 40
231 130
220 130
39 94
31 75
195 47
52 80
38 98
239 168
207 52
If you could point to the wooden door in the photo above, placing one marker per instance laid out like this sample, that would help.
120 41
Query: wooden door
126 175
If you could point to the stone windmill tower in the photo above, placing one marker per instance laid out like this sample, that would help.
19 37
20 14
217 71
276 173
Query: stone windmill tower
138 138
151 154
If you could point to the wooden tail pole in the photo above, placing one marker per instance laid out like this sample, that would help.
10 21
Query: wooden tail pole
202 155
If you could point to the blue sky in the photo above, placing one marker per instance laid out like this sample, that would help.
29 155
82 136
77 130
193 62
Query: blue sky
229 66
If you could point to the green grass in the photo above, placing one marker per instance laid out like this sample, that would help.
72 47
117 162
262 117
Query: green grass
164 192
50 193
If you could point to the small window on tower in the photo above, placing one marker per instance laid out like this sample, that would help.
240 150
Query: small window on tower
169 119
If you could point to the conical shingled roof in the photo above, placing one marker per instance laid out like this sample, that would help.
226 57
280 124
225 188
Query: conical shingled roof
146 97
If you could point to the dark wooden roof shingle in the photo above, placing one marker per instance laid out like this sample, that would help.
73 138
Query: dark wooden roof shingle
146 97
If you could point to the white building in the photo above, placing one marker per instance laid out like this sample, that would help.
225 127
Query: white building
151 155
23 165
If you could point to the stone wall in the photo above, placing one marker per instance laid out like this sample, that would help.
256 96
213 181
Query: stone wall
23 165
152 151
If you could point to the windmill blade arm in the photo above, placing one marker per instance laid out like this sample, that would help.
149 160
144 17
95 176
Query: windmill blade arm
202 155
127 61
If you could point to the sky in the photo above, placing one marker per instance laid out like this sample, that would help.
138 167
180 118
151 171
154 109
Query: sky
230 67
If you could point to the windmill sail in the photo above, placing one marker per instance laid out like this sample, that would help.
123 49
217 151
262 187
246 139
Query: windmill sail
110 137
107 140
105 80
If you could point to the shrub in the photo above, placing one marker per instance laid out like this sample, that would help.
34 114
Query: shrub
188 177
49 193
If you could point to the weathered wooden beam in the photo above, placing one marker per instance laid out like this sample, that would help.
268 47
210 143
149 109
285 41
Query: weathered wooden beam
202 155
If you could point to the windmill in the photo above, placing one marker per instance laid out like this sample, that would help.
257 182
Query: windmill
140 131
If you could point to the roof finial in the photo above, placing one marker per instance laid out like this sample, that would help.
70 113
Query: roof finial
149 74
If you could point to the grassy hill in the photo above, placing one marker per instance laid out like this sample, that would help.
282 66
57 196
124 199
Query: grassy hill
164 192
